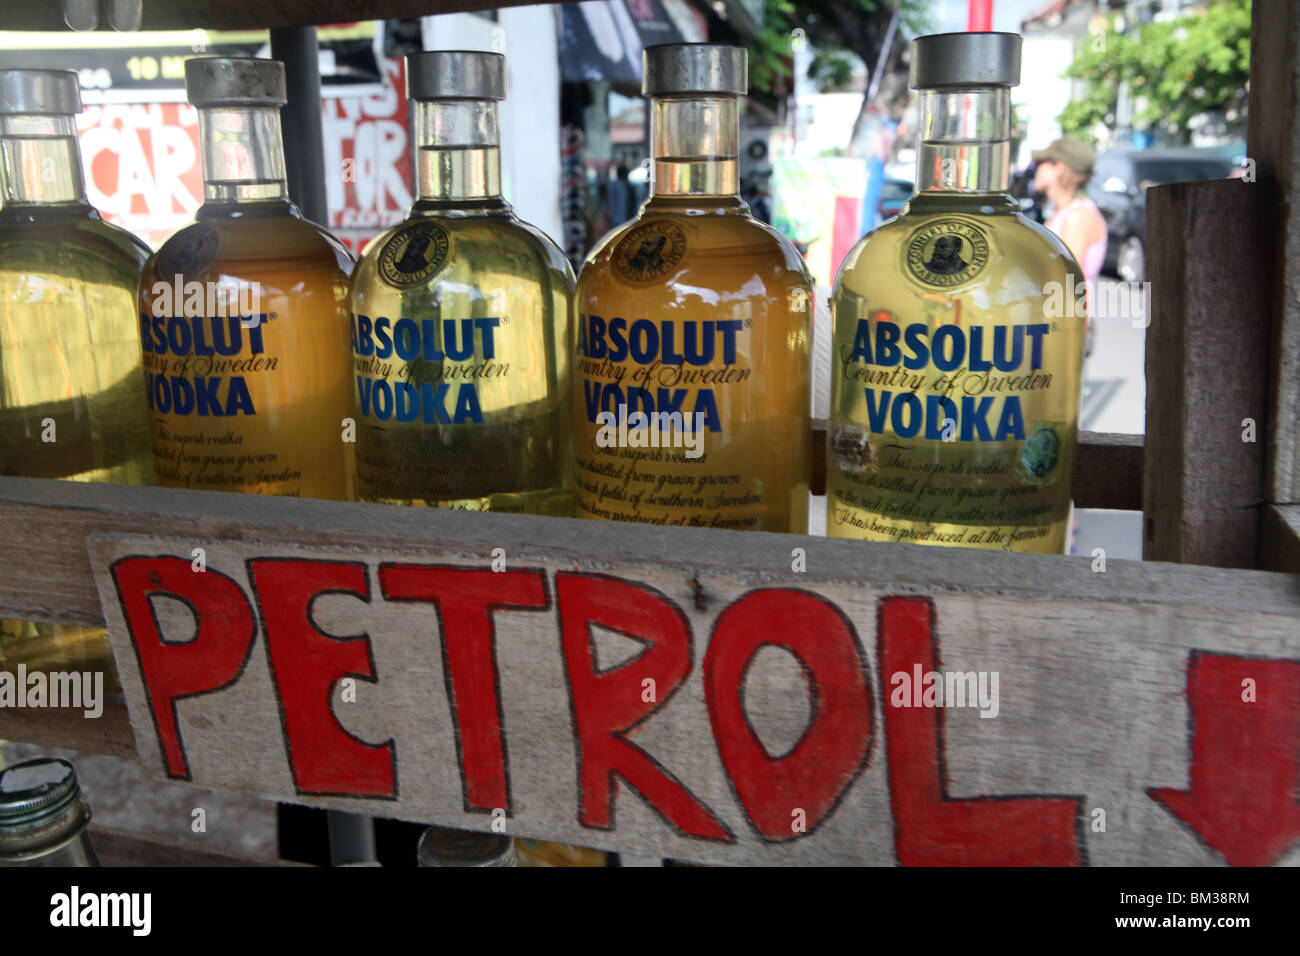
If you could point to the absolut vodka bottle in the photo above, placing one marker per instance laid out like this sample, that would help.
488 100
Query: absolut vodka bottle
244 315
958 340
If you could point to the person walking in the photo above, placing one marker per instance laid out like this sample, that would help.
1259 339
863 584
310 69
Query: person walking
1064 169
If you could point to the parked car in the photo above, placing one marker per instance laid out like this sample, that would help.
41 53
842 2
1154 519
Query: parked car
1119 182
894 194
1022 190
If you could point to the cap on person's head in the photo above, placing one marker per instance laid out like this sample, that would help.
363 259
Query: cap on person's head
1071 151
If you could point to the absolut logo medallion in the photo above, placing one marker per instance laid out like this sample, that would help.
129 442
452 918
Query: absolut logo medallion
947 253
413 254
650 251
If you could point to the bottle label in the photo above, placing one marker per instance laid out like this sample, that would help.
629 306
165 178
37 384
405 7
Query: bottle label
200 365
953 424
425 370
918 378
247 386
675 430
190 252
667 366
649 252
456 410
946 253
413 254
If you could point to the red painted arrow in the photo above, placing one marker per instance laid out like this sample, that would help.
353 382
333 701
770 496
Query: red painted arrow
1245 758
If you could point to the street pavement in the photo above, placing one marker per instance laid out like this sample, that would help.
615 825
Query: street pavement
1114 400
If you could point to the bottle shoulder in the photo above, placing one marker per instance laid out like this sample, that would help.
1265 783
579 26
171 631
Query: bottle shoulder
1046 236
697 246
259 243
131 245
479 251
1011 237
491 221
554 255
28 244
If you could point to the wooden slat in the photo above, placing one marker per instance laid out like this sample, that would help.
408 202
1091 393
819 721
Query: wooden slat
53 582
1151 659
1279 538
1273 140
1107 471
109 733
117 847
1208 248
1108 475
1085 654
250 14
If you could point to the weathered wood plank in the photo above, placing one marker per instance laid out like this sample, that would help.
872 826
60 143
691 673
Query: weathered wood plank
1207 371
1108 471
1273 143
54 583
1108 476
117 847
612 691
1084 657
1279 538
109 733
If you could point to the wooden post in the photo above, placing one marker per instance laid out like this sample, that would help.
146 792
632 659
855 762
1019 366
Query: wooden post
1274 148
1209 246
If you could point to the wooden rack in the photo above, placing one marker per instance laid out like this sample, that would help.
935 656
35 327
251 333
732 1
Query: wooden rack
1108 673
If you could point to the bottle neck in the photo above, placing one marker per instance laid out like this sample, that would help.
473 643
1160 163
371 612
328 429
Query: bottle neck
39 160
243 154
965 140
61 840
694 145
457 150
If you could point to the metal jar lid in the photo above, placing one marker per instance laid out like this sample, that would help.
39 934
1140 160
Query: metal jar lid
234 81
965 59
444 846
694 68
51 92
36 792
455 75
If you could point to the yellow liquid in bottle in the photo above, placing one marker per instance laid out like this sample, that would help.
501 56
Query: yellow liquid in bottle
71 390
974 448
250 399
698 309
462 374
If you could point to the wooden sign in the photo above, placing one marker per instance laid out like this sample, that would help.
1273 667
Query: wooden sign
819 702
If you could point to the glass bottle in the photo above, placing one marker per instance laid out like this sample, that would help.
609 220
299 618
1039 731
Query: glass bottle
71 389
460 321
243 314
959 334
43 819
693 370
445 846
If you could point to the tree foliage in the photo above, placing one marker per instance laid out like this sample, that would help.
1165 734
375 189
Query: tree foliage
1175 70
837 30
